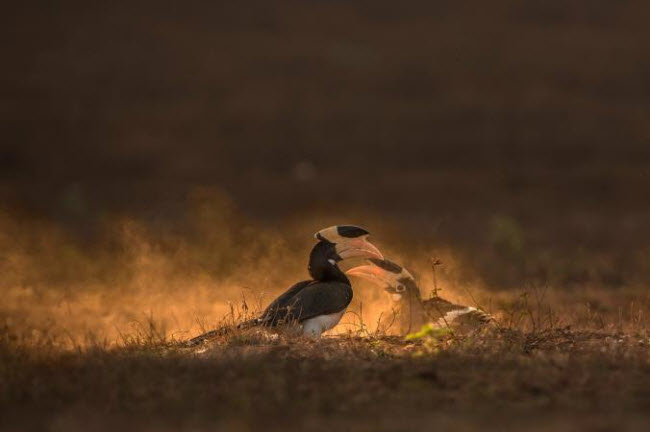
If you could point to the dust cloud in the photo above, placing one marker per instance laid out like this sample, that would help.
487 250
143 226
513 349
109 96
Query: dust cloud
137 277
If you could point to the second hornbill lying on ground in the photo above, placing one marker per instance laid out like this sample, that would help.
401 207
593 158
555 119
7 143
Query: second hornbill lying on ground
317 304
415 311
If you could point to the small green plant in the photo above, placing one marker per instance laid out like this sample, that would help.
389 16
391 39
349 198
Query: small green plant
431 337
429 331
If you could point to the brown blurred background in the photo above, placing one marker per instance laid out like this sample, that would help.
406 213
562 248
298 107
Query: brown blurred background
515 133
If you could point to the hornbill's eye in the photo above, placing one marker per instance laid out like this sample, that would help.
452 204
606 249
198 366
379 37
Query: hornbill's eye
400 288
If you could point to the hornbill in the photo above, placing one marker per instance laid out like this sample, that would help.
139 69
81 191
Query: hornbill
316 304
415 311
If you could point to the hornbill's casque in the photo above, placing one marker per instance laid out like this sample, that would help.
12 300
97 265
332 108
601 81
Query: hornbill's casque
317 304
415 311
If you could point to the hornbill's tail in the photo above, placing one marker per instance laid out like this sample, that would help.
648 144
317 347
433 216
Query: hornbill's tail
249 323
221 331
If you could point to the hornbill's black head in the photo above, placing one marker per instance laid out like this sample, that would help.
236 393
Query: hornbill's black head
396 280
335 244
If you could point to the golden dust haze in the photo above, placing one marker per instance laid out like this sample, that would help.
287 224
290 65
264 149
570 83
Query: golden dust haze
140 278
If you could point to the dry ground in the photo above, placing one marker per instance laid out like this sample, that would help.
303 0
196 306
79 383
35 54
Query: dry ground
498 379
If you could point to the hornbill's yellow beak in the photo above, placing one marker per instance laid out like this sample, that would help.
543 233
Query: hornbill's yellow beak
374 274
394 278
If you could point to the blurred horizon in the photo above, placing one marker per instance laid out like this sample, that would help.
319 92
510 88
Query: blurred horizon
515 133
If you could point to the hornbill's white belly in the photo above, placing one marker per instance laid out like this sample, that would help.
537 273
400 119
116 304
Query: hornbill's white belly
314 327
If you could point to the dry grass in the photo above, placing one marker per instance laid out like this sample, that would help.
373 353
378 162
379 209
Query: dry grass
93 340
511 376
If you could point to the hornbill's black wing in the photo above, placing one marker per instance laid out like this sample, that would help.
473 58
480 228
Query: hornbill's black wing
317 298
304 300
277 309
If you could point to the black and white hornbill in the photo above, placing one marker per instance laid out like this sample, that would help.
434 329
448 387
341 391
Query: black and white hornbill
317 304
415 311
